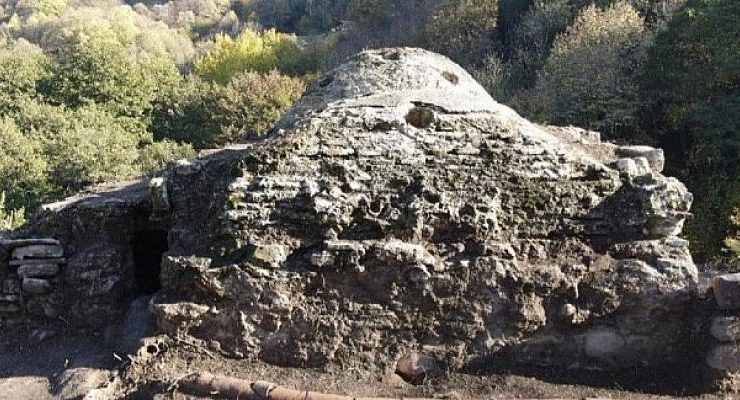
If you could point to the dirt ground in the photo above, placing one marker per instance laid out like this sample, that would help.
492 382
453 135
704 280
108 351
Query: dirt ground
33 372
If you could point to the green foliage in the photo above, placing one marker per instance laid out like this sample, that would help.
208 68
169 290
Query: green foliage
157 155
693 81
85 146
207 114
252 103
183 113
254 51
22 167
44 7
10 219
464 30
300 16
589 78
22 67
528 43
733 241
89 70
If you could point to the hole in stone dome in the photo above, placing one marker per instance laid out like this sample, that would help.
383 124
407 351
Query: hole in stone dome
452 78
148 247
420 117
392 55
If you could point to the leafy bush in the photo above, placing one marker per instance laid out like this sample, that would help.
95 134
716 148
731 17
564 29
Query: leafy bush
22 67
155 156
208 115
589 78
692 79
528 42
252 103
10 219
23 167
464 30
254 51
89 70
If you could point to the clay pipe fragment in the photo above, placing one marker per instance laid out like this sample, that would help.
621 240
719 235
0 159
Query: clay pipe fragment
206 384
209 385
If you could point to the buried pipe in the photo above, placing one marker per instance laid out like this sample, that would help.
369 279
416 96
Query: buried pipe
207 384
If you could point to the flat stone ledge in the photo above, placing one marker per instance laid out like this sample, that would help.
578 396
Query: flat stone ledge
57 261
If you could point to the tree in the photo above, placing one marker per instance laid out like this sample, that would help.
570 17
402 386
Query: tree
527 43
22 67
88 70
10 219
254 51
590 77
23 168
252 103
464 30
207 114
693 81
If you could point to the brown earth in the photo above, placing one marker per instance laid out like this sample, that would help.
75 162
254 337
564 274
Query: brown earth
32 372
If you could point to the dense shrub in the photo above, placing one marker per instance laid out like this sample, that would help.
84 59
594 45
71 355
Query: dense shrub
528 43
209 115
23 168
252 103
254 51
589 78
464 30
22 67
90 70
693 82
156 155
10 219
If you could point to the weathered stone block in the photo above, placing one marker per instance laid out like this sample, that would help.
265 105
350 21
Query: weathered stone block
271 255
38 251
36 286
158 194
727 291
182 273
725 329
11 286
11 244
654 156
9 308
10 298
724 357
18 263
38 270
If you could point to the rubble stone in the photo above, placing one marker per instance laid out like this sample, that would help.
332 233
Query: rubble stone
724 357
38 251
36 286
38 270
726 290
726 328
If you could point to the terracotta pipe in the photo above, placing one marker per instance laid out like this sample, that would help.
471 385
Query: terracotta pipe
207 384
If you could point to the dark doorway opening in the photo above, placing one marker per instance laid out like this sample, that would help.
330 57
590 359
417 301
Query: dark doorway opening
148 246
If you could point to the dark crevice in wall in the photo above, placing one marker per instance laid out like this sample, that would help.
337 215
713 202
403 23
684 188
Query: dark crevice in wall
148 247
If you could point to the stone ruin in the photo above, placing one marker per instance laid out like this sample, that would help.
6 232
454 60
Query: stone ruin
396 216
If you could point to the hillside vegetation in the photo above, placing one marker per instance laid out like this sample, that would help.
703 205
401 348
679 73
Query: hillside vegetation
97 90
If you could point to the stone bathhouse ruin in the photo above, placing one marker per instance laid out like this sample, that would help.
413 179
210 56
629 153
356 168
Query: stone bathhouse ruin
397 211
